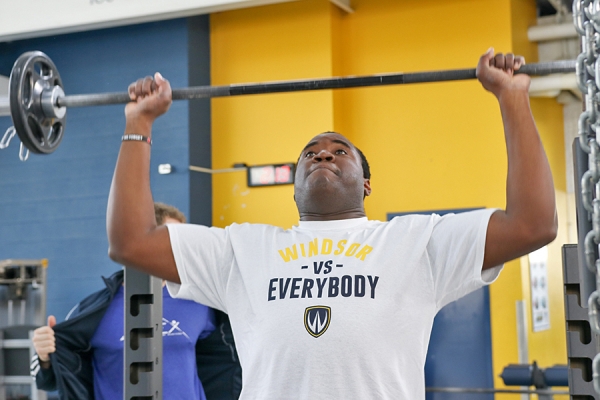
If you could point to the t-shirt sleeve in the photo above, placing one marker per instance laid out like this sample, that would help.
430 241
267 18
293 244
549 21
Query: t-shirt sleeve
204 257
456 249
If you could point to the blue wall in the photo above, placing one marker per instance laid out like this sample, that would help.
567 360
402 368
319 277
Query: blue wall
460 348
54 206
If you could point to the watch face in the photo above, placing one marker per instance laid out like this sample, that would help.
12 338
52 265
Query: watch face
269 175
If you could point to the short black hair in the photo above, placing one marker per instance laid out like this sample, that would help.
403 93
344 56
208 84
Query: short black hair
364 163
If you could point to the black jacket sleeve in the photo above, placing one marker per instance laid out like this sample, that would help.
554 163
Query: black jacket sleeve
219 368
44 377
71 364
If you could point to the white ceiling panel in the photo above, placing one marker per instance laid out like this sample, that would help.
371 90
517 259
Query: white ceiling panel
21 19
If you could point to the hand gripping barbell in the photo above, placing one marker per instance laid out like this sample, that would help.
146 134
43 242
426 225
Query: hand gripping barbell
38 104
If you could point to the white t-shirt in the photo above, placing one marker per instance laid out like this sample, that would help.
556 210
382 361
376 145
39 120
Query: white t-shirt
333 310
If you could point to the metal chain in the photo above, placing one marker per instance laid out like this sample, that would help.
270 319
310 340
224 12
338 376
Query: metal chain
23 152
5 141
586 18
8 135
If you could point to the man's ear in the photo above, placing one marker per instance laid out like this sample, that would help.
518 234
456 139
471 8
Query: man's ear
367 187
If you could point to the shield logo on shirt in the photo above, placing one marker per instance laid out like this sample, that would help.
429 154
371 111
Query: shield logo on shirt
316 320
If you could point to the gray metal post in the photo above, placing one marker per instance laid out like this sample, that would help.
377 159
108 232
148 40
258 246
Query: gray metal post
22 309
587 281
143 337
582 343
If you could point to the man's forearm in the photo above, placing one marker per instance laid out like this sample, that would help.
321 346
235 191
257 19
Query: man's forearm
530 193
529 220
130 205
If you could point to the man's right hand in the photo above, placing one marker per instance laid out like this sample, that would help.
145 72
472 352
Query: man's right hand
43 340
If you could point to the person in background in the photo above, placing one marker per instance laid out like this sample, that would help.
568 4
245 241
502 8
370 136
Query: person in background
82 357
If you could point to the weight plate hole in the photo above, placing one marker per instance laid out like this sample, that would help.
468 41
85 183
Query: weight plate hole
57 128
36 129
39 69
26 89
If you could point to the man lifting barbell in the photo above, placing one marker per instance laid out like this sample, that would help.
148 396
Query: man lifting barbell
359 329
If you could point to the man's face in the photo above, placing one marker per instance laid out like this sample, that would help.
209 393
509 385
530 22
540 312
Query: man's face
329 176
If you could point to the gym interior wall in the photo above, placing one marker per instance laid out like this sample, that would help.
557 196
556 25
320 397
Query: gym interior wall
54 206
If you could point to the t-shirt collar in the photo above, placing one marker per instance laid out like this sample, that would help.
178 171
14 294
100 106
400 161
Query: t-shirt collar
331 225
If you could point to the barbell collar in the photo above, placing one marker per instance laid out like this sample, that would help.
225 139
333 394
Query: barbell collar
202 92
49 101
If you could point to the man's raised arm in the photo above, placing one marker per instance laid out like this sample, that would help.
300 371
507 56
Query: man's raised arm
529 221
133 237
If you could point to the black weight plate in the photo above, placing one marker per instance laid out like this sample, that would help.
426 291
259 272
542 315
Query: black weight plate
34 73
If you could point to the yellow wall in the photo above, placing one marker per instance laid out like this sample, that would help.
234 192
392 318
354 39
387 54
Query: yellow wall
430 146
279 42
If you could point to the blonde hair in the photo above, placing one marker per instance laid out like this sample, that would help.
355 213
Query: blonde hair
163 211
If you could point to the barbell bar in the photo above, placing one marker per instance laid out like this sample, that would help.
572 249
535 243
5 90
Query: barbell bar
38 103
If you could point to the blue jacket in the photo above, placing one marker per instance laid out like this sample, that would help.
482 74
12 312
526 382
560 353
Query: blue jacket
71 371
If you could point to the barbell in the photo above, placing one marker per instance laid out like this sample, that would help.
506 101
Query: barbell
38 104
